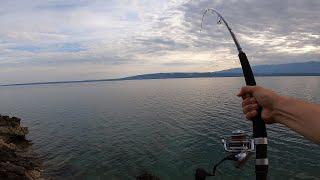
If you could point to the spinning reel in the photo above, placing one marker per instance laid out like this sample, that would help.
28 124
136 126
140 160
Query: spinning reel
239 147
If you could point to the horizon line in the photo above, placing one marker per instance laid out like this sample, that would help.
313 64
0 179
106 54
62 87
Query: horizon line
136 77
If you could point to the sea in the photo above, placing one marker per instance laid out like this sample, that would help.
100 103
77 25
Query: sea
166 127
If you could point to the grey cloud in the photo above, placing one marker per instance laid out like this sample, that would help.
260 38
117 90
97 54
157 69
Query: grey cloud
270 31
273 18
154 45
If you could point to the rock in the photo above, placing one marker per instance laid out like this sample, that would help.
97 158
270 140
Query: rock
147 176
11 171
14 131
16 160
34 174
4 145
7 121
11 127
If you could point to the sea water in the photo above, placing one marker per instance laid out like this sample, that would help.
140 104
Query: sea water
120 129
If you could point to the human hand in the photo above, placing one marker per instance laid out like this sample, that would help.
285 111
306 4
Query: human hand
255 96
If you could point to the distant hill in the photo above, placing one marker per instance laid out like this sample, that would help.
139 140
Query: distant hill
170 75
311 68
291 68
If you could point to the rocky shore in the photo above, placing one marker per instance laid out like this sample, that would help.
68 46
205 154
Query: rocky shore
16 159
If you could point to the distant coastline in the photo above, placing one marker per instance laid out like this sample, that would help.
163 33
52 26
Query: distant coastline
167 77
311 68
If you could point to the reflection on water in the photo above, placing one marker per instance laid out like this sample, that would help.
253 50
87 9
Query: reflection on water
117 130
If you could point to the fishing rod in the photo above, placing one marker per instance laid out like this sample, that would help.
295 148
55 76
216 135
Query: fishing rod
238 144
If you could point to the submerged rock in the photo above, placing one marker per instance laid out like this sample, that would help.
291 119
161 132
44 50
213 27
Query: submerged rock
16 161
147 176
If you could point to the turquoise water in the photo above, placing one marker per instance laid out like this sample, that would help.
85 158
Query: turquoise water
117 130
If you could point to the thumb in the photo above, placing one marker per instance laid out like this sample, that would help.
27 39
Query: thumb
246 90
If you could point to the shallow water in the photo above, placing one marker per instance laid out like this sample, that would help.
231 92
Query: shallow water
117 130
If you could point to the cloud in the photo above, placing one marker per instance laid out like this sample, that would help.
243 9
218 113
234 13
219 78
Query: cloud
105 39
270 31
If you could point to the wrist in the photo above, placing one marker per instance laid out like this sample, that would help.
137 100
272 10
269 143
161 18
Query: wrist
278 109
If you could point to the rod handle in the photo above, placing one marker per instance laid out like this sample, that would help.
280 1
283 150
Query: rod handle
258 125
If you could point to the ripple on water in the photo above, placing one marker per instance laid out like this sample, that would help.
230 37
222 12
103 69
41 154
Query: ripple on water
117 130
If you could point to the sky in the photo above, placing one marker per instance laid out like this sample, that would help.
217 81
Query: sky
57 40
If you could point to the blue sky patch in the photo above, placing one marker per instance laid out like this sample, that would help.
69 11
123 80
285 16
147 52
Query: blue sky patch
28 48
64 47
70 47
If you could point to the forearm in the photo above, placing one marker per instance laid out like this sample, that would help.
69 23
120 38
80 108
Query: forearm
299 116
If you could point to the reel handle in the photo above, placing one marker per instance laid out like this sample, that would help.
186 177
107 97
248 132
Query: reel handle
259 127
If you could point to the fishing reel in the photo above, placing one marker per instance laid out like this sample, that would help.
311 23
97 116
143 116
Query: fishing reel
239 146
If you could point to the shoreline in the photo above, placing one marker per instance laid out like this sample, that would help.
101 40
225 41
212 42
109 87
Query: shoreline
17 160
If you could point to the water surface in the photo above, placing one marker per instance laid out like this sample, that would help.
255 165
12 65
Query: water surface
117 130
